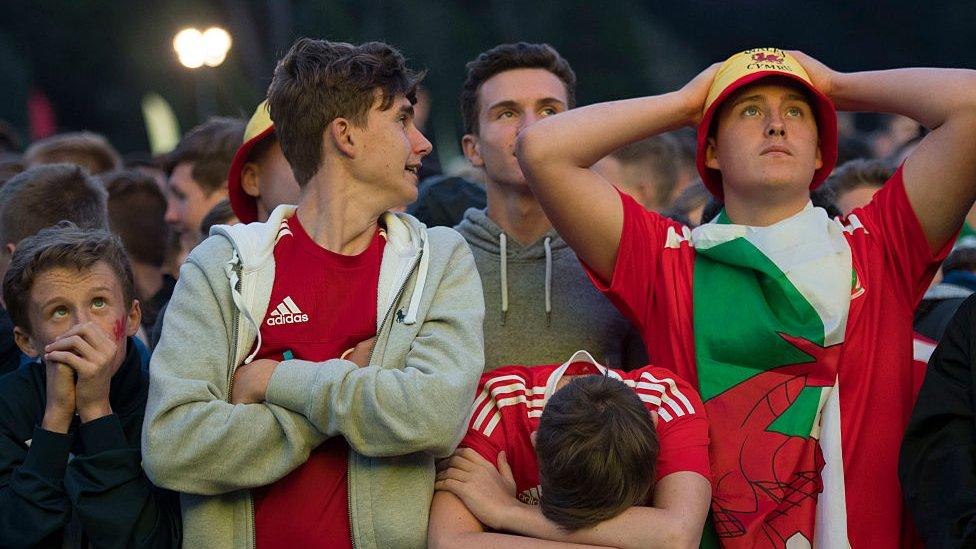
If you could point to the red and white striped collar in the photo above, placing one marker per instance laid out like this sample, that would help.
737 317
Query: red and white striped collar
581 363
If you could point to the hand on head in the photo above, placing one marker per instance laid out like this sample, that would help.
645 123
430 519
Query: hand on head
821 75
696 91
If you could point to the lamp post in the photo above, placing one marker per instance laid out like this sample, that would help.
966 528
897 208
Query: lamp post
197 50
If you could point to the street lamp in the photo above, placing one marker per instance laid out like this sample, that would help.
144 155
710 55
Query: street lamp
196 49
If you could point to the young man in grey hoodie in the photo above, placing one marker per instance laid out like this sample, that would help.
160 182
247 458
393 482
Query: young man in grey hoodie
312 367
539 304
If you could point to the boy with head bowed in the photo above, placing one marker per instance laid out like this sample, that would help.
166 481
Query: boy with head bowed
577 453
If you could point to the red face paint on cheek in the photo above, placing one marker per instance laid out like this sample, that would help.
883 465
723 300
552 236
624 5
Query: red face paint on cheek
119 329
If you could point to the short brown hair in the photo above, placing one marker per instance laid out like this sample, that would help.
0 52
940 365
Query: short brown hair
597 449
505 57
318 81
86 149
857 173
44 195
64 245
210 147
220 214
694 196
136 212
658 155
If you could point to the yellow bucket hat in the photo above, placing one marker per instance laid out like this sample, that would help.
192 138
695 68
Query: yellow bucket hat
745 68
258 127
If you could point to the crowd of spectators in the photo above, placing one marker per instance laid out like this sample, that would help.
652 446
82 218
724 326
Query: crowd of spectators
118 318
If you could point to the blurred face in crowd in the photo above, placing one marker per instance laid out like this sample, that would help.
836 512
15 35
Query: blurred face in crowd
63 297
855 198
269 179
390 152
188 202
765 140
508 102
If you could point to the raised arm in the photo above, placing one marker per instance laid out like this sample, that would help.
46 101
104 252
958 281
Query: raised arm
940 175
556 155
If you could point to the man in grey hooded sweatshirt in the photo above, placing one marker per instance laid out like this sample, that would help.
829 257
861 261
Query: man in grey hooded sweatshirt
540 306
312 367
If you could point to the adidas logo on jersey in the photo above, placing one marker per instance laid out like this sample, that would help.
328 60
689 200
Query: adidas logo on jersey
286 313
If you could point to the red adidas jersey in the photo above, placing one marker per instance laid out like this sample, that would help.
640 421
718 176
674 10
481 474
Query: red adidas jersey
652 285
322 303
509 403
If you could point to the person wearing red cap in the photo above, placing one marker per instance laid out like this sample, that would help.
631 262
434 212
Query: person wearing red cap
260 178
795 328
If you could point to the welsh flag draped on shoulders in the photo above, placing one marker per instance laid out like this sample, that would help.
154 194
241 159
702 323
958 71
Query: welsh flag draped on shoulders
770 313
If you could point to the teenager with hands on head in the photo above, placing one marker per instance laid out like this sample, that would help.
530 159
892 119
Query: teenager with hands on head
773 286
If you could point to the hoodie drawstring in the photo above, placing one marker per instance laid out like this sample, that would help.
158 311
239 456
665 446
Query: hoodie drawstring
231 270
503 243
548 247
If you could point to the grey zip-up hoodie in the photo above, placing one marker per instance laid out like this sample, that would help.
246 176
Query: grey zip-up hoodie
540 307
397 414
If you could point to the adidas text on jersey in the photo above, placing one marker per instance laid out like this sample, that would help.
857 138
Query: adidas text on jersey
286 313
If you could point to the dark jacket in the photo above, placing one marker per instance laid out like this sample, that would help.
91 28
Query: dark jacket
87 485
9 353
938 455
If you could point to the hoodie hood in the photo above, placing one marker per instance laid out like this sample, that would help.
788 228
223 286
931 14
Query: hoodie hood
253 244
484 234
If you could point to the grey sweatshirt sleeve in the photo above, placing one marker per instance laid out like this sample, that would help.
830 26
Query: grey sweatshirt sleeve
193 439
420 400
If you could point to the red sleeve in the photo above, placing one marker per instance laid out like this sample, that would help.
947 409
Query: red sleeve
485 447
682 429
889 217
483 412
642 239
684 447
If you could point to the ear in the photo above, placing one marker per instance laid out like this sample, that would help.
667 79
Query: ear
472 150
249 179
343 135
26 343
819 163
133 318
532 438
11 248
711 159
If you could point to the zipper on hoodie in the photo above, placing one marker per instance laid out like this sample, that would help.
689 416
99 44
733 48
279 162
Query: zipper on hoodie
396 298
230 391
234 336
369 359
